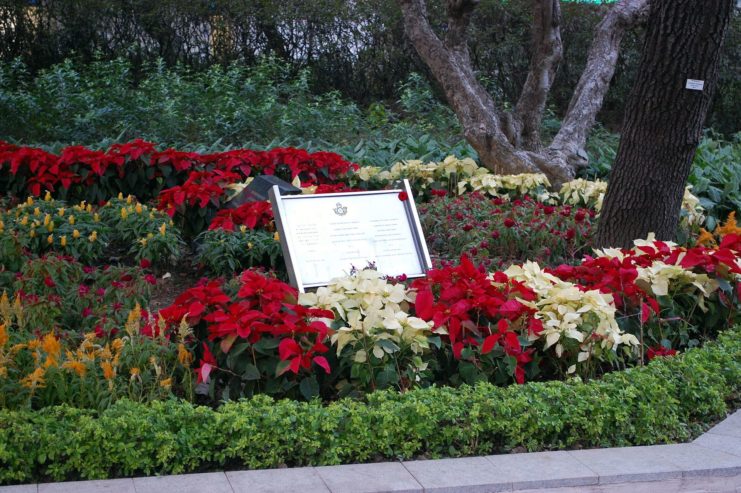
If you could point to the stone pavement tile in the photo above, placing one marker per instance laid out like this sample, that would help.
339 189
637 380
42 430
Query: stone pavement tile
19 488
731 426
685 485
729 445
108 485
543 469
303 479
366 478
473 474
695 460
627 464
212 482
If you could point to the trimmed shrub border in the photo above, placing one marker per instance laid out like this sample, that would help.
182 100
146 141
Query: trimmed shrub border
669 400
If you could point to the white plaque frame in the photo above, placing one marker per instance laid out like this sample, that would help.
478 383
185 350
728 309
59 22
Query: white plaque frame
288 236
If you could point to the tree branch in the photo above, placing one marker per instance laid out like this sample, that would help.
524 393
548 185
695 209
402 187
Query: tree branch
459 18
547 54
595 80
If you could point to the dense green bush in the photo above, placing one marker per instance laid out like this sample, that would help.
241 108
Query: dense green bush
263 106
671 399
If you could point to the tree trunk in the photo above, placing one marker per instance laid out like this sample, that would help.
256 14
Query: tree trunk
594 82
509 142
547 54
663 120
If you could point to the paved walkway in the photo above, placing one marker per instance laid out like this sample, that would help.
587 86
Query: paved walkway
712 463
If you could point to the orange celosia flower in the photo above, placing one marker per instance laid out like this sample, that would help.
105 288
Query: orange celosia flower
184 356
34 379
77 366
3 336
51 346
730 226
166 383
706 238
108 371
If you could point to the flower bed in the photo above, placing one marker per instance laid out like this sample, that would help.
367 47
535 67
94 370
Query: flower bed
668 400
497 309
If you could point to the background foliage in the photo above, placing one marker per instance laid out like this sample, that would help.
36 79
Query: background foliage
359 50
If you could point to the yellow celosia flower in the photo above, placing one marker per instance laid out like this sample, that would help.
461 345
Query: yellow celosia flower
35 379
63 240
106 353
120 195
32 233
93 236
133 321
276 236
166 383
50 239
37 212
75 234
24 221
47 196
96 217
47 219
72 220
163 229
117 345
124 213
138 208
129 199
60 212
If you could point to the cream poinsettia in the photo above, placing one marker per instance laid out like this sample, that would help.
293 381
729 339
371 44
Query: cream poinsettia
374 316
567 312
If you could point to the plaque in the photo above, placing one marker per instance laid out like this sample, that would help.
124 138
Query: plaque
324 236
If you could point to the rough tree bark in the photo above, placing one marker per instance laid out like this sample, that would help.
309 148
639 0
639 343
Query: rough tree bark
509 142
595 79
663 120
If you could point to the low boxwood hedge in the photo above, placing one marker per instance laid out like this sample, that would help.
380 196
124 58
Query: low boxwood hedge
669 400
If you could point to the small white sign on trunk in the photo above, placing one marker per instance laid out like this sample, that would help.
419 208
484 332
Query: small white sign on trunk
695 85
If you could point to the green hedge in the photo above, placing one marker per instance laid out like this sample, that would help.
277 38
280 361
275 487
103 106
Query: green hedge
669 400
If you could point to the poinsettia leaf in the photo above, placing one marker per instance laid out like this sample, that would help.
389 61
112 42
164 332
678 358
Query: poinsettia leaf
322 361
489 343
423 304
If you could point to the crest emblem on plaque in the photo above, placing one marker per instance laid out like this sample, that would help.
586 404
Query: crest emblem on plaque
340 209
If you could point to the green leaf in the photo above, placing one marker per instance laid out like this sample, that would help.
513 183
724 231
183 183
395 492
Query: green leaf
251 372
309 387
